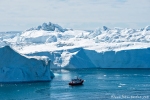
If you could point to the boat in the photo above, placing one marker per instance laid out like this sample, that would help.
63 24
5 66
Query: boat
77 81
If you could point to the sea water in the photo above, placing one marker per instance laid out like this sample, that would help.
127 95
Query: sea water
100 84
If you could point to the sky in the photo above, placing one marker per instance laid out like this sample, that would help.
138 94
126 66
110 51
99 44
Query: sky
20 15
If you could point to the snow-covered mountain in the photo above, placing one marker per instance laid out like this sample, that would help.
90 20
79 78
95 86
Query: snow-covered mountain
18 68
101 48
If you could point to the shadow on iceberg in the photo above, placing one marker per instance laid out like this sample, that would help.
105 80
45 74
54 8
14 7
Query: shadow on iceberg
18 68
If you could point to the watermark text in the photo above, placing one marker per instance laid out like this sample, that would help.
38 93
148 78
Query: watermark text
129 97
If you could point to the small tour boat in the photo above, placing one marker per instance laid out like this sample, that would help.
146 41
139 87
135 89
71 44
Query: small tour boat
77 81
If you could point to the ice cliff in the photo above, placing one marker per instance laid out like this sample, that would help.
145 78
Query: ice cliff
83 58
18 68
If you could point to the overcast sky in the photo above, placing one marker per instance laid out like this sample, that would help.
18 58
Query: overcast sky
76 14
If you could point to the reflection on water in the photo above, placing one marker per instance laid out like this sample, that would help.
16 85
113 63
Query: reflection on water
100 84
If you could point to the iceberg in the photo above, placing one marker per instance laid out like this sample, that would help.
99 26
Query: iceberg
147 28
48 27
83 58
15 67
100 48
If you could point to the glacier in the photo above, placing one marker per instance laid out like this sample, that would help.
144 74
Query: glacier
100 48
15 67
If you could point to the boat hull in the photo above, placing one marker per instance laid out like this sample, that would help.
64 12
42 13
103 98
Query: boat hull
73 84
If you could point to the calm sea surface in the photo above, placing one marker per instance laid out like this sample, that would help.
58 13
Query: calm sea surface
100 84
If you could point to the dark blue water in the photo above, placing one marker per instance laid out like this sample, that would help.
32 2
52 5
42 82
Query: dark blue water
100 84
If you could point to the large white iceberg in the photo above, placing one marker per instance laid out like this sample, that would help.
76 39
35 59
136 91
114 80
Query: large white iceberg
101 48
18 68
